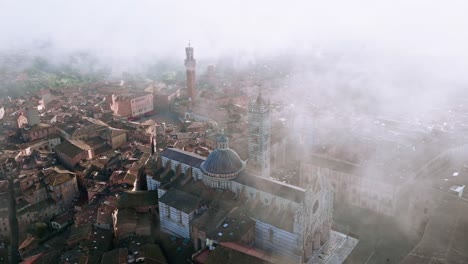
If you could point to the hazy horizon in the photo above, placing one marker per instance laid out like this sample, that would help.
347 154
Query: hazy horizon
396 50
117 29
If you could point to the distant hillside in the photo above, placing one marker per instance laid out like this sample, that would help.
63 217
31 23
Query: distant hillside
21 73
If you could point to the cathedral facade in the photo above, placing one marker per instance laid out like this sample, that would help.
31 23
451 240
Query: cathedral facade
222 198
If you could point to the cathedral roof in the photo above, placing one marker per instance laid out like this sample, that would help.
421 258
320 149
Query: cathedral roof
277 188
182 156
180 200
223 161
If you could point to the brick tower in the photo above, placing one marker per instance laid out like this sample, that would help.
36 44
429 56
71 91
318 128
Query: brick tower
190 64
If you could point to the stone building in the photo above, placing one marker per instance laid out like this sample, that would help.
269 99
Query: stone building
133 104
378 194
287 220
32 114
259 137
37 131
190 64
62 185
95 133
71 152
166 96
45 96
133 213
176 210
186 162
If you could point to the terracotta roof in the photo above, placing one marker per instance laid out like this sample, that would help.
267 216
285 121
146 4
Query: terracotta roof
210 220
72 148
33 259
117 132
137 199
116 256
58 177
27 242
152 254
37 127
126 216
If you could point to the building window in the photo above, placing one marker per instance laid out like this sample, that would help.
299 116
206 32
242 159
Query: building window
316 205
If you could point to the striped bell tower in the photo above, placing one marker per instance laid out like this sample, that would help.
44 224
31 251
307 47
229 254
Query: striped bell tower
259 137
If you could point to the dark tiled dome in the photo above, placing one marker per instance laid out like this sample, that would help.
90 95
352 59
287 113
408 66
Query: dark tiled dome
222 161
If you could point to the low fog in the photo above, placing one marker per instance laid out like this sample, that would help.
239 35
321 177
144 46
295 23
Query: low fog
377 85
402 55
125 30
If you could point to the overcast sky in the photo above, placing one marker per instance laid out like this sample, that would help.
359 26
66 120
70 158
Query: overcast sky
400 49
140 28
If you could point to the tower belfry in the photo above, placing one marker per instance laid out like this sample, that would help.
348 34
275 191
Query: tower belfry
190 65
259 136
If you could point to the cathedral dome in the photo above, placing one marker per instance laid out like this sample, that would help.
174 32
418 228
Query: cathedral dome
223 161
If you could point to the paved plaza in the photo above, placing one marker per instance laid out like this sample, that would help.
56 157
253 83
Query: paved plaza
336 250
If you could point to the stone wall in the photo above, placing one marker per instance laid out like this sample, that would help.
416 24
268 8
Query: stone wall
277 241
174 221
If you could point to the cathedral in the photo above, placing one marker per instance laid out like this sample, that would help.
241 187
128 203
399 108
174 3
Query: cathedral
224 199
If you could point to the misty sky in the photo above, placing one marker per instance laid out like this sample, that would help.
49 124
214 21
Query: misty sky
409 52
132 29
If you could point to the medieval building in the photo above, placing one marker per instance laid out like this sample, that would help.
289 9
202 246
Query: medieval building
190 64
217 199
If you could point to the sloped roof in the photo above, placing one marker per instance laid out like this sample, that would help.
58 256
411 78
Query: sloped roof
180 200
210 220
283 190
72 148
239 254
332 164
27 242
184 157
58 179
137 199
152 254
37 127
118 255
